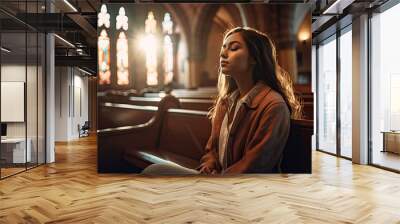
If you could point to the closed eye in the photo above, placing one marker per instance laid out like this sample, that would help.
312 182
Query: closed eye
234 45
234 48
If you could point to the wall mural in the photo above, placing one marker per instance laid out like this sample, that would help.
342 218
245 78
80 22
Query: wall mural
159 65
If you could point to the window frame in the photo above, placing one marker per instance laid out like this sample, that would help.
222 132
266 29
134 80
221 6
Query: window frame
380 9
332 33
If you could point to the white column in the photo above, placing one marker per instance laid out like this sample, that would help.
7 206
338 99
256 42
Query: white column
50 93
62 103
360 90
50 100
313 89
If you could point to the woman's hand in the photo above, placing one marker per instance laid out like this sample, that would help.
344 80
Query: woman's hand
207 168
209 164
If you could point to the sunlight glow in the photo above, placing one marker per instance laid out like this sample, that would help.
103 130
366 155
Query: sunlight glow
149 44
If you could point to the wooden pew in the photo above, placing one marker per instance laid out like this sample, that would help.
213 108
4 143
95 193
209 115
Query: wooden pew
179 145
115 96
297 152
205 96
180 136
185 103
192 100
201 93
141 109
112 115
113 142
308 110
307 100
183 137
201 99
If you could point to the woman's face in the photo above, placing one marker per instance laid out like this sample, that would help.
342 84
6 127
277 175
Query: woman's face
234 56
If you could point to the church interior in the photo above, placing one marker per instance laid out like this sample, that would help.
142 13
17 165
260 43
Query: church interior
95 91
184 62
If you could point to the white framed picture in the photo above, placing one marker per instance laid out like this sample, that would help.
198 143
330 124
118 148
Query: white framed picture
12 101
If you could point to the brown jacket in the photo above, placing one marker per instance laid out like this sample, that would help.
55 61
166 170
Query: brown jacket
257 136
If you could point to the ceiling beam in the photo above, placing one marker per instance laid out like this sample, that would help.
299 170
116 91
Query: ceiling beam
86 26
82 61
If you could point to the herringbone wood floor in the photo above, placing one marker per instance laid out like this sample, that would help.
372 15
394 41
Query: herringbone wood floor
71 191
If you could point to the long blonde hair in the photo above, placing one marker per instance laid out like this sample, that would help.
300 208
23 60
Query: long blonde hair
266 69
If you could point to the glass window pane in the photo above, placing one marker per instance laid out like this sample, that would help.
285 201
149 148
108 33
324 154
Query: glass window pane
13 86
41 98
385 84
23 86
31 101
346 94
327 96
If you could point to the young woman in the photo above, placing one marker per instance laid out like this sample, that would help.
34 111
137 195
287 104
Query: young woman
251 116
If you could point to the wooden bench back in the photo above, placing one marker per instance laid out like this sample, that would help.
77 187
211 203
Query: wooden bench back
139 110
297 152
112 115
189 104
185 132
113 143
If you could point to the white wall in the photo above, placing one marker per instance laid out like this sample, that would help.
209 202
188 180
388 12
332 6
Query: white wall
61 103
71 94
33 126
79 112
16 73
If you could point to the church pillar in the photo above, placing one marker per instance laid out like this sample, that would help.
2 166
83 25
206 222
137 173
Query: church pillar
195 62
286 54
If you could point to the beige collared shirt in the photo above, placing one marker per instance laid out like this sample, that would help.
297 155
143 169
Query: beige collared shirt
225 128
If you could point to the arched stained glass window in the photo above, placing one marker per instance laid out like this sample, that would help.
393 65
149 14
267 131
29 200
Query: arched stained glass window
103 47
168 49
122 49
168 60
103 19
122 20
150 24
104 58
151 49
167 24
122 60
